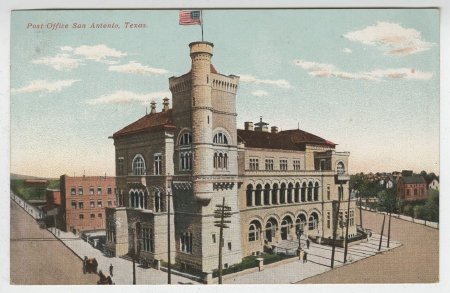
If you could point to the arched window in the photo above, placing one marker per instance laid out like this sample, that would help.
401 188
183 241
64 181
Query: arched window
286 224
313 221
186 139
186 161
283 193
220 160
275 194
297 192
270 229
300 222
145 199
316 191
225 161
303 195
158 203
216 161
310 191
340 168
141 200
253 231
249 194
220 138
138 165
267 194
258 195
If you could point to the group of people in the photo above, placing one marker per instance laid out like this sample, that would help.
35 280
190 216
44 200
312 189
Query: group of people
90 265
303 255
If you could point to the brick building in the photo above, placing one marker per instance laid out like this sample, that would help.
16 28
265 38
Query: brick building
275 182
83 201
412 188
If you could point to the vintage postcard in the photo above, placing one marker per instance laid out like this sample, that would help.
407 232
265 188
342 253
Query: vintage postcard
224 146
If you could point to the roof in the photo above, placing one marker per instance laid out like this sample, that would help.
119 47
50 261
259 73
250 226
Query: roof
295 139
150 122
416 179
213 69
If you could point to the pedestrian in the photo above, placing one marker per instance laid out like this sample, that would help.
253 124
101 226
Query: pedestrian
301 255
307 243
84 264
305 257
111 270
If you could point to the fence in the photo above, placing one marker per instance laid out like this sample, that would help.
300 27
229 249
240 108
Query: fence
35 212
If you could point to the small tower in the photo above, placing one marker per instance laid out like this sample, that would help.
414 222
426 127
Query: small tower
201 53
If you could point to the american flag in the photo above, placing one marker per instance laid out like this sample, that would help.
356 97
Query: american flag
190 17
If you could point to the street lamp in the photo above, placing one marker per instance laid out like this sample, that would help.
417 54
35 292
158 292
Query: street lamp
169 268
299 233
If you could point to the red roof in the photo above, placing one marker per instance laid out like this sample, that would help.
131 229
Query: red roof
213 70
294 139
152 121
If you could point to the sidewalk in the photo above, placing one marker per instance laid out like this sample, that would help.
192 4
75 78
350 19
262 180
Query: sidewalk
319 259
123 269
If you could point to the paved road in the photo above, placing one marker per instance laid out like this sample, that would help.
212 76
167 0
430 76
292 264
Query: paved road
416 261
38 258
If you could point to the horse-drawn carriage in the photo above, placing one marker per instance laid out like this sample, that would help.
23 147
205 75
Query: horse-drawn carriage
103 279
90 265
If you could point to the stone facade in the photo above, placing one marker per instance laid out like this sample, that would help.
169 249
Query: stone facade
194 154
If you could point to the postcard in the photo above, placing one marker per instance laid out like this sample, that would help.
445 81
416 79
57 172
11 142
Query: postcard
224 146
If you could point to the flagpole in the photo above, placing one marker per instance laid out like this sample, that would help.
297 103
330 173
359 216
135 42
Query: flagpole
201 22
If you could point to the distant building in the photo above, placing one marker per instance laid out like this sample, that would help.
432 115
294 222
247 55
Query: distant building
412 188
433 184
83 201
387 182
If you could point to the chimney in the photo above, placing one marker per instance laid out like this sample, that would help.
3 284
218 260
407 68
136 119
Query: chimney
153 107
248 126
165 104
274 129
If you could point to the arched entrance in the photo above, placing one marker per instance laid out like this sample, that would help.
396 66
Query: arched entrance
313 221
271 228
286 224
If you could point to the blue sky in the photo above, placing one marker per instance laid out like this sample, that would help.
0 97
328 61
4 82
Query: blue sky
367 80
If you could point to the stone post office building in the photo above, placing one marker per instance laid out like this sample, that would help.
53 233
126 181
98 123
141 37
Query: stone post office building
274 181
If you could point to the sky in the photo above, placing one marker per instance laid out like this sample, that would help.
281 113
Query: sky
365 79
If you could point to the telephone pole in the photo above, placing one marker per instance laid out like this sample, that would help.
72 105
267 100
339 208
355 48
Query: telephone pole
221 213
169 267
382 231
346 229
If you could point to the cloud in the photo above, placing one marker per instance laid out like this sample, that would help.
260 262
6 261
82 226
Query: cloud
127 97
260 93
328 70
137 68
61 62
99 53
44 86
391 38
347 50
251 79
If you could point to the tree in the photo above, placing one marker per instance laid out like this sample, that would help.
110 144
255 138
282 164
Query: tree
387 201
419 212
431 207
408 210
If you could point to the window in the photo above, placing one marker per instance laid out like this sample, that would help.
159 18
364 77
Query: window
283 165
99 203
147 240
120 166
99 190
352 218
340 168
229 245
109 203
316 191
158 164
213 238
92 204
328 220
249 195
186 242
138 165
109 190
74 204
91 190
303 192
220 138
310 191
80 205
220 160
92 216
158 203
328 192
297 165
254 164
111 231
186 139
100 215
269 164
80 190
253 232
186 160
81 216
415 191
73 191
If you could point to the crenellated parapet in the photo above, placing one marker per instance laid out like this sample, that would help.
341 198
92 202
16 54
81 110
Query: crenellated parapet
180 84
225 83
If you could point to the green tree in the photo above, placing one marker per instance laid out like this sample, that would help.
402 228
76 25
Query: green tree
408 210
431 207
387 201
419 212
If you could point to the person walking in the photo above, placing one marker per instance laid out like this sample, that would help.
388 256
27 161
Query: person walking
111 270
302 255
305 257
84 264
307 243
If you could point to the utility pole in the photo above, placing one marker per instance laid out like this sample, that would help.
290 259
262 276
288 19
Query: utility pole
134 257
346 229
221 213
335 205
360 211
169 268
389 228
382 231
